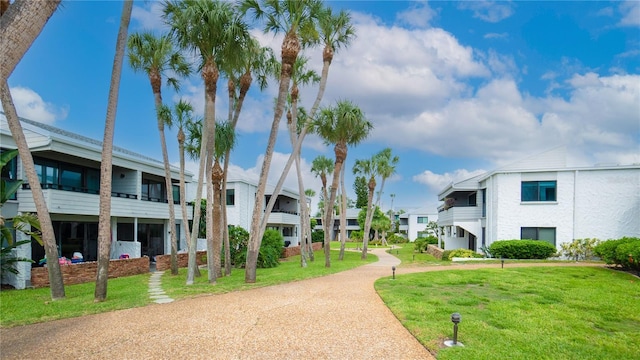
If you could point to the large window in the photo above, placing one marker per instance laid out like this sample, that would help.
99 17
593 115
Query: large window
423 220
538 191
153 190
539 233
65 176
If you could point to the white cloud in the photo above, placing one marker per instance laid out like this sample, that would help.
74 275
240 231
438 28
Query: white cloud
418 15
630 11
30 105
496 36
437 182
489 11
149 17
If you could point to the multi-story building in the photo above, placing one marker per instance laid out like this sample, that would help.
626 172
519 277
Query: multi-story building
68 165
541 198
413 224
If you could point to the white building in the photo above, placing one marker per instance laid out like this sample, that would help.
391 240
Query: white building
352 223
68 165
541 198
285 216
413 224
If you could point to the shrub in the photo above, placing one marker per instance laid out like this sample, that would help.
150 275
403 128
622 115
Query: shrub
462 253
317 236
522 249
445 254
396 239
606 250
628 255
356 235
420 245
269 253
238 241
579 249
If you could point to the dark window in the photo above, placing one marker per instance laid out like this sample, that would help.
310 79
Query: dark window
539 233
10 173
538 191
176 194
423 220
472 199
153 190
231 196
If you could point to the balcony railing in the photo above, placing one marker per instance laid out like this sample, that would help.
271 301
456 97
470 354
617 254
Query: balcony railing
84 190
162 200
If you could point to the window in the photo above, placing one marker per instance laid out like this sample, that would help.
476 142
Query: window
231 196
538 191
472 199
423 220
10 173
539 233
153 190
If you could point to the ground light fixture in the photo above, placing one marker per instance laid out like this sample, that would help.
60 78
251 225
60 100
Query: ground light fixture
455 319
393 269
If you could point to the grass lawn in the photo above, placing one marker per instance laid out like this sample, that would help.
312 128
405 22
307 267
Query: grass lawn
521 313
21 307
409 258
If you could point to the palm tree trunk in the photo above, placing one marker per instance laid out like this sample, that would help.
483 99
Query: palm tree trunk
20 26
367 224
48 235
192 264
258 227
343 216
172 211
104 217
337 169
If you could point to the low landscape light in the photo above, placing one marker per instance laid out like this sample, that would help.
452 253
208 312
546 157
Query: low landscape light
455 319
502 262
393 269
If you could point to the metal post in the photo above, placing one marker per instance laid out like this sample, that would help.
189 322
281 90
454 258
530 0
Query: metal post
393 268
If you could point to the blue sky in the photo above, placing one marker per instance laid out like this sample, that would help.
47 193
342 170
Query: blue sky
454 88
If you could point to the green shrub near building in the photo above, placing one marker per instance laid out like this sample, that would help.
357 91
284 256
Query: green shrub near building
522 249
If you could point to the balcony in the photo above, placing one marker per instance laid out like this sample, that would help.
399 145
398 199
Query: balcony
459 213
84 190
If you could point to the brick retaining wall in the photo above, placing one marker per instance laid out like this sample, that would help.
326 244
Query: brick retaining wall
435 251
295 250
163 262
86 272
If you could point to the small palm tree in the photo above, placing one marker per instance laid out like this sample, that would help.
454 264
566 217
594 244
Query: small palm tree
367 168
156 56
342 125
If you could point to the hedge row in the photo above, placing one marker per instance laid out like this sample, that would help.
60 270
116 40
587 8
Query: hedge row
522 249
624 252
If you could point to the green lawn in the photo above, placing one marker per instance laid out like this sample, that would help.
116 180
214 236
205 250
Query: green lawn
21 307
409 258
521 313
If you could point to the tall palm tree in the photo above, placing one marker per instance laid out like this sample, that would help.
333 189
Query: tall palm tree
22 22
322 166
295 18
225 141
155 56
183 115
387 164
104 215
367 168
212 29
259 61
335 31
307 236
343 215
342 125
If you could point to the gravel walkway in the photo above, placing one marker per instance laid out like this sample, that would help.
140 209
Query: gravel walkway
333 317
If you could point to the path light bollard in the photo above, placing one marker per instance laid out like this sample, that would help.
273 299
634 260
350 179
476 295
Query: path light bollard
502 262
455 319
393 269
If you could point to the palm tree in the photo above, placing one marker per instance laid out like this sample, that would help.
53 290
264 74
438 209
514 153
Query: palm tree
386 168
341 125
322 166
155 56
335 31
367 168
307 236
295 18
22 22
104 214
183 115
225 141
214 30
261 62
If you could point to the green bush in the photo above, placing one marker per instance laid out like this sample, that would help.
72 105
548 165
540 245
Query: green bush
628 255
238 241
356 235
420 245
269 253
462 253
606 250
445 254
397 239
522 249
317 236
579 249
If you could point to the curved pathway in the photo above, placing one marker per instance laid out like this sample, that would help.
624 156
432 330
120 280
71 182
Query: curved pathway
339 316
